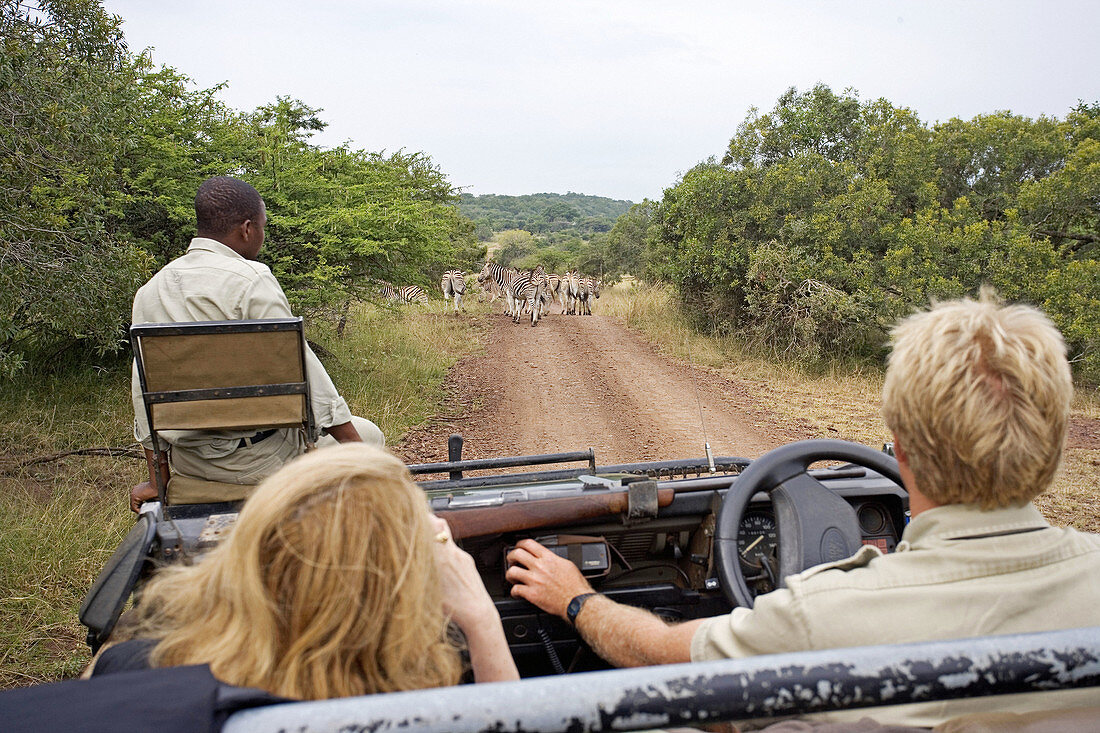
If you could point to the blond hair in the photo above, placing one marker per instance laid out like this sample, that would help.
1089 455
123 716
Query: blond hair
978 394
326 587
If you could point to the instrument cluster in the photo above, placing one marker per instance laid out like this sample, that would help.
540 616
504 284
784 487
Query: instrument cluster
758 541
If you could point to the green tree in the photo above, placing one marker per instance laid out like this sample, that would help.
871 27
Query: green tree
512 245
987 159
1066 204
66 86
176 137
828 218
629 238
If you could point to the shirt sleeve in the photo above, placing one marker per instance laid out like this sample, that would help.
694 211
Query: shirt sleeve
776 624
266 299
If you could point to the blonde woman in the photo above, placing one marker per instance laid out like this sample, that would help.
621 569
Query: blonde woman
336 581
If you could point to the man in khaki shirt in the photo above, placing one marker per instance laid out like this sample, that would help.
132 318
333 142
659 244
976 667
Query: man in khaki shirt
977 395
218 279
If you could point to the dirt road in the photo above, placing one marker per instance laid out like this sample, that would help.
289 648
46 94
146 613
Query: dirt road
575 382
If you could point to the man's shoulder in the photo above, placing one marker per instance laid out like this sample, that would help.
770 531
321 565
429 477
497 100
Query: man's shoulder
204 284
210 270
971 559
202 257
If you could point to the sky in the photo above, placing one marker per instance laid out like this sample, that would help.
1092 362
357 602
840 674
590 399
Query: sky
610 97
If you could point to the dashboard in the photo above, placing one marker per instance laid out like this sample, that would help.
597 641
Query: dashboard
663 562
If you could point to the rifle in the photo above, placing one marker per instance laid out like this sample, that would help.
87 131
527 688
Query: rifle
519 516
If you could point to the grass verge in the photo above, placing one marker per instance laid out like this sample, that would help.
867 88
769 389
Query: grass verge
60 520
843 400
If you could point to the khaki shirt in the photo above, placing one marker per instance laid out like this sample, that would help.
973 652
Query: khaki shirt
958 572
211 282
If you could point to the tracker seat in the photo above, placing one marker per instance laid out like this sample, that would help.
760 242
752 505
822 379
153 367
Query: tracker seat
213 375
221 375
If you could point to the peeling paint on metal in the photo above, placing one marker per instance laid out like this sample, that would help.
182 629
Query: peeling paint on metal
725 690
958 679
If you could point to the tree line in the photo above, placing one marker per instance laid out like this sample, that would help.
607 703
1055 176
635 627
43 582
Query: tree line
556 216
101 152
829 217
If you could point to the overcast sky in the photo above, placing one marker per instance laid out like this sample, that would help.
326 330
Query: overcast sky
614 98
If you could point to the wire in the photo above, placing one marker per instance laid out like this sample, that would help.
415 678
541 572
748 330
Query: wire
618 554
675 567
699 403
551 652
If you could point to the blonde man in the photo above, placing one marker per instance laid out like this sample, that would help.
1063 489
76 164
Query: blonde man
977 395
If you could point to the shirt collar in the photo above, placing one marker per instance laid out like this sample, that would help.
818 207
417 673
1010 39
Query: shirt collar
213 245
955 521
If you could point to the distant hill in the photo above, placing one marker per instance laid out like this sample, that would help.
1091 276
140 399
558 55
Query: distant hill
543 213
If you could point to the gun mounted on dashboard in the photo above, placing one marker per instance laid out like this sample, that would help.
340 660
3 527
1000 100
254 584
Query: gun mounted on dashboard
637 500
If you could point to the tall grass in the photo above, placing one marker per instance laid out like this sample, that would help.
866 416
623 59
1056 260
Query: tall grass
391 361
61 520
835 400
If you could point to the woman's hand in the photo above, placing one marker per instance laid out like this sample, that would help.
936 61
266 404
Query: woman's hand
465 599
469 605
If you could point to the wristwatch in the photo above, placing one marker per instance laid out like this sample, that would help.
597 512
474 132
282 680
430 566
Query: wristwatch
575 607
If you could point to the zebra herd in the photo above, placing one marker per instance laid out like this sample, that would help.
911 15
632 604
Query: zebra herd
453 284
524 291
532 291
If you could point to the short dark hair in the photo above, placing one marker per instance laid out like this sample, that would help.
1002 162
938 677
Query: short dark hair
223 202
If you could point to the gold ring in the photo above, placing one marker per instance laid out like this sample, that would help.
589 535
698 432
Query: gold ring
442 538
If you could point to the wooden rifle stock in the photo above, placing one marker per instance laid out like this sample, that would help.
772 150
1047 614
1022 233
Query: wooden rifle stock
523 515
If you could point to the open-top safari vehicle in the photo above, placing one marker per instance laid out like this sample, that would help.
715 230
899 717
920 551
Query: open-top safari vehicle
686 539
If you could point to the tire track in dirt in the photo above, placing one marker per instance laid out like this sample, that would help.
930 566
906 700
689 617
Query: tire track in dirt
575 382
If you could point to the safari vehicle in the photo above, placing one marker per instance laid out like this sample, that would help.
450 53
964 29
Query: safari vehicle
686 539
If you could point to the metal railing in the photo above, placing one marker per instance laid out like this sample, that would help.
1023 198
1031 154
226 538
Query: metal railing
706 692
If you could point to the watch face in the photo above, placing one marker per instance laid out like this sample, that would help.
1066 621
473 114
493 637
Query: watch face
575 605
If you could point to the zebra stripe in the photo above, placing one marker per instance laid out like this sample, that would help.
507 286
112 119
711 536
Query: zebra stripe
502 276
404 294
571 286
587 289
453 283
527 289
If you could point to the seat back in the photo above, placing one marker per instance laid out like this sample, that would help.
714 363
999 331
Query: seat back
223 375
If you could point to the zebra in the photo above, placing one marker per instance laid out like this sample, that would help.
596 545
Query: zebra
571 287
404 294
502 276
453 283
527 288
587 288
541 301
546 298
553 288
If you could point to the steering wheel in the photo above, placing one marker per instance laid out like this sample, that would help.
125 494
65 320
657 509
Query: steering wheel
814 525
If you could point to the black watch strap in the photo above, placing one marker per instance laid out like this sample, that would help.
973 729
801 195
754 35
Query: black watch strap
575 607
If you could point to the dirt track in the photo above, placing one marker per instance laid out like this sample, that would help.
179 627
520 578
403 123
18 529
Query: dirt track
575 382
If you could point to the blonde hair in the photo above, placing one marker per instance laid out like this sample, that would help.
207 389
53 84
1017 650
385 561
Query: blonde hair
326 587
978 395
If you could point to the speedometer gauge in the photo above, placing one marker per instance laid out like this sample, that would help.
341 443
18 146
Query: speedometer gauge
756 539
